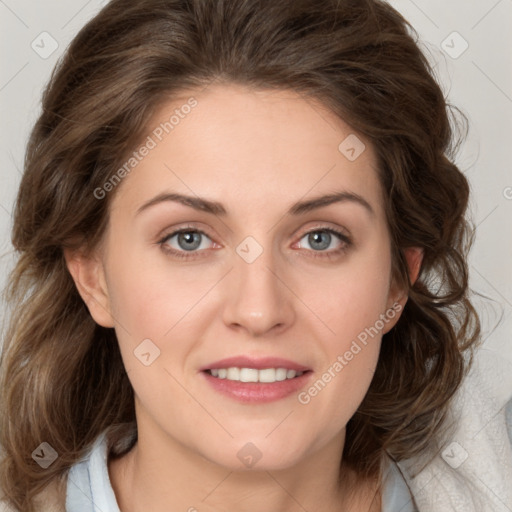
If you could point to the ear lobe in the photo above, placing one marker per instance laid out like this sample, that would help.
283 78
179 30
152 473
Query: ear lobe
88 275
414 258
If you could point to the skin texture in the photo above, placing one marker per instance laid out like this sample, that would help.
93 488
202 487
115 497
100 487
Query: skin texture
257 153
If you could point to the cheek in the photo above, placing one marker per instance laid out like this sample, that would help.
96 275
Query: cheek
149 299
351 297
160 305
348 303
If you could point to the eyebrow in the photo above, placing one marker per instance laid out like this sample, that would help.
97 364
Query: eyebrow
299 208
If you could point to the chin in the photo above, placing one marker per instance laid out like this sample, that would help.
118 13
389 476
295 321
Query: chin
257 455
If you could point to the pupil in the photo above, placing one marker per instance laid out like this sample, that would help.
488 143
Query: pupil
189 241
320 239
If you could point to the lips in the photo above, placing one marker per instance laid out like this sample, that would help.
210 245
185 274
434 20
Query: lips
264 389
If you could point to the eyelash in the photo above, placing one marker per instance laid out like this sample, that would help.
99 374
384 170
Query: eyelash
346 241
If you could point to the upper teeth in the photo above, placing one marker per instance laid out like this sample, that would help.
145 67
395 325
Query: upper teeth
254 375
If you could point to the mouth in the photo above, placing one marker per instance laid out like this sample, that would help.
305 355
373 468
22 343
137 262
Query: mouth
252 380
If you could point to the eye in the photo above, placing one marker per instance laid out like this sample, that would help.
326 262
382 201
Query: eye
189 242
325 240
185 241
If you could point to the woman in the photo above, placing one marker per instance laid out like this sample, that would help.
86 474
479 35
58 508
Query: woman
242 280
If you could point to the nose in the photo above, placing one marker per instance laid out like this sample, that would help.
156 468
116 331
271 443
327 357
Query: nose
259 300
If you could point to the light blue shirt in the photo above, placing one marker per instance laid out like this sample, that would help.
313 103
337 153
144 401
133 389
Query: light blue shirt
89 488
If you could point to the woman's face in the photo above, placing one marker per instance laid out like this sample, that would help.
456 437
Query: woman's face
264 269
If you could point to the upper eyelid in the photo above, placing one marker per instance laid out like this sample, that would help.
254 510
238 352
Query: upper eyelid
173 232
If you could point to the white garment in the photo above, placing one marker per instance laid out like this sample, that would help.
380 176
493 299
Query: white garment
473 471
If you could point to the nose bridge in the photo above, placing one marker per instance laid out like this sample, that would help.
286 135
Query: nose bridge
258 301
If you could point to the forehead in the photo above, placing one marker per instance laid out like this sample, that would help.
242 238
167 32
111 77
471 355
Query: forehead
246 147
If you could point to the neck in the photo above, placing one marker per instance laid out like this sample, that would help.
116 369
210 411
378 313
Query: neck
160 473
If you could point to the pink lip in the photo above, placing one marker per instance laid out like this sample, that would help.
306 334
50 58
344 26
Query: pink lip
257 363
257 392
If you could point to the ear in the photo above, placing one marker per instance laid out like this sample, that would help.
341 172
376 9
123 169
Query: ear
398 297
89 277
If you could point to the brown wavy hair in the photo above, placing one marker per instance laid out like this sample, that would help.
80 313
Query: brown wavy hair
62 376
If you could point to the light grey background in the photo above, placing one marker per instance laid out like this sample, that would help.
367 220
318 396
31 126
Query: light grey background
479 81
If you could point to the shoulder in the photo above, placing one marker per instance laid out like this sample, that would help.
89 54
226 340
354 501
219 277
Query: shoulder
471 467
395 493
85 486
89 487
51 499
